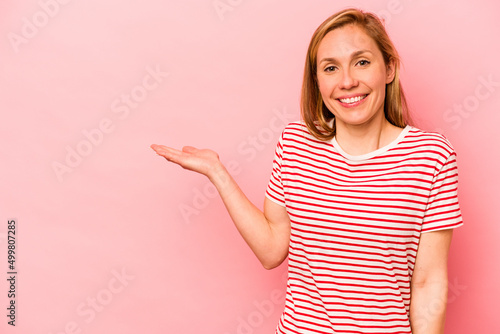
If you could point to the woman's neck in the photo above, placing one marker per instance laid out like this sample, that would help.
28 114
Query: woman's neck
365 138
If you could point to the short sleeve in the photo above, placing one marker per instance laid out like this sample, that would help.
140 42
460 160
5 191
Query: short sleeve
443 211
274 189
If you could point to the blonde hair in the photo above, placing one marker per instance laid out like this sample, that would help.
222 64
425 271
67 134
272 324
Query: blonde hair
315 114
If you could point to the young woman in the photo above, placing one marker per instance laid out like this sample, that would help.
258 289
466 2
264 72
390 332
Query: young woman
362 203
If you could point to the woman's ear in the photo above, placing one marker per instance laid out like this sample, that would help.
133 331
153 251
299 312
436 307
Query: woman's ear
391 71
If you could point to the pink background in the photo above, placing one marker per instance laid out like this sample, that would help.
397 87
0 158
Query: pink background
123 242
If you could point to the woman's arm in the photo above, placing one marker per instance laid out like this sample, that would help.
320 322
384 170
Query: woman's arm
429 284
267 233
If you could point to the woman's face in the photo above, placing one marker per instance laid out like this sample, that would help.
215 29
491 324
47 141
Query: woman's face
352 76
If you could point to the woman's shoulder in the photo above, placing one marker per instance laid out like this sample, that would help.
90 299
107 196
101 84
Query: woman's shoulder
298 131
429 138
295 128
295 125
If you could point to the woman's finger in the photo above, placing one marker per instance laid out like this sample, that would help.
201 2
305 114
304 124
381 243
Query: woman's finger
165 151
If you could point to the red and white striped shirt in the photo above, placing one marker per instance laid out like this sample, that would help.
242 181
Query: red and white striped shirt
356 223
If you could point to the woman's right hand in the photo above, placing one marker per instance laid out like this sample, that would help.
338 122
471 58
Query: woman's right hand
268 235
202 161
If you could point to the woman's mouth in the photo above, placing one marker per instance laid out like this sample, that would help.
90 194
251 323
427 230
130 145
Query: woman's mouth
352 101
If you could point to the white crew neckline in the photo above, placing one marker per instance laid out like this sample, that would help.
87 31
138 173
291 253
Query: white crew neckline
371 154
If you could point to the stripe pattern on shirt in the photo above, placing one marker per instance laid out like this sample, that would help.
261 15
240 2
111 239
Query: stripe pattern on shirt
356 225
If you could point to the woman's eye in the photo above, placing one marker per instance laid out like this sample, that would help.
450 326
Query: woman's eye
363 62
330 69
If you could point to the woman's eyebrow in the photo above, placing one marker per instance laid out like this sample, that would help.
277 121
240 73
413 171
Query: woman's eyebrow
353 55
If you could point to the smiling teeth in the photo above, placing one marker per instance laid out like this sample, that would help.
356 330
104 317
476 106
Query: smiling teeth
353 99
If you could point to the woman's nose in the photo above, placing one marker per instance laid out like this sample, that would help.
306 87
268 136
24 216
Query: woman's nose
347 80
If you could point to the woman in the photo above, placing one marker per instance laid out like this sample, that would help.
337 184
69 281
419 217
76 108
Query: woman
354 193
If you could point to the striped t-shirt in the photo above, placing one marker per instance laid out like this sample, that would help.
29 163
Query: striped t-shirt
356 223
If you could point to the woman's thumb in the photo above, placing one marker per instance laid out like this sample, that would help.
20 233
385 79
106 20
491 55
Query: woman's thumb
189 149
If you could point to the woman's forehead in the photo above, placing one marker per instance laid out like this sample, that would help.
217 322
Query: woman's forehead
344 42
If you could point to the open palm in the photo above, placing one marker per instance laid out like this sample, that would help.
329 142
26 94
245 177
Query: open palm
203 161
